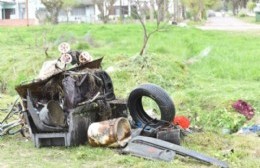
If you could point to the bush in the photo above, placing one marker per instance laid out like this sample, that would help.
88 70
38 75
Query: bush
242 13
189 15
223 119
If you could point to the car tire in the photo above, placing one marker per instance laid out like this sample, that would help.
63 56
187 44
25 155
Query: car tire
162 99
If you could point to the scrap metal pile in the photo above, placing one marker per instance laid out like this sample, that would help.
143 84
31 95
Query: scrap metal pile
72 106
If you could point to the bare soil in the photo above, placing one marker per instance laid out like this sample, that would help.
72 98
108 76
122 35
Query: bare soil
228 23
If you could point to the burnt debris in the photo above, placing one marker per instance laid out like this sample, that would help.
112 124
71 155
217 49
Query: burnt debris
72 102
62 102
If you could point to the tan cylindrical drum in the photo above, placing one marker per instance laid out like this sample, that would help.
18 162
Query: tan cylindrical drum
112 133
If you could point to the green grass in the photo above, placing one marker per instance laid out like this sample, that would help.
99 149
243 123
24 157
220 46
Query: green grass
203 90
19 152
249 19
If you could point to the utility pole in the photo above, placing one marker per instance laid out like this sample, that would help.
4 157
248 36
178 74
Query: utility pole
27 13
121 11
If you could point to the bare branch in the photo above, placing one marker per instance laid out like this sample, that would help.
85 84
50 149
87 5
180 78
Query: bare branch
141 14
53 7
46 52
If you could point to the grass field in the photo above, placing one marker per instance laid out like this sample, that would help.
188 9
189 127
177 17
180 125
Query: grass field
203 72
249 19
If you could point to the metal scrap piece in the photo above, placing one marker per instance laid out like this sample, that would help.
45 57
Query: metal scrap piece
160 144
149 152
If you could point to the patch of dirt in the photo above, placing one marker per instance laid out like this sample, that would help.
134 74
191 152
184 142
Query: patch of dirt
228 24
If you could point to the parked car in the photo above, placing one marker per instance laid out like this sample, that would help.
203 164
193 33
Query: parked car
211 13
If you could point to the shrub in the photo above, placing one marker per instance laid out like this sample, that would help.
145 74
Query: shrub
242 13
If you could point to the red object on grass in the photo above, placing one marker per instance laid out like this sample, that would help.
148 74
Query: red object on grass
182 121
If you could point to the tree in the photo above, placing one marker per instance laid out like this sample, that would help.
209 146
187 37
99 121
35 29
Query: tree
178 10
243 3
251 5
105 7
235 6
143 10
198 7
239 4
67 5
53 7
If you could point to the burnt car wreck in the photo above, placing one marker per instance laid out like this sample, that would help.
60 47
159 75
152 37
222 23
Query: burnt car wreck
77 105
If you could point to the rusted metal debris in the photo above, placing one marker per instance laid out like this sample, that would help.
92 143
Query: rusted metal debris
36 86
111 133
68 107
139 144
61 103
14 121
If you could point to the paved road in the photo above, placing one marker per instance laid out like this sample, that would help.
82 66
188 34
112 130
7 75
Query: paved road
229 24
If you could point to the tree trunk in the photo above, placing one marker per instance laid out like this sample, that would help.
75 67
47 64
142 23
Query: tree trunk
201 9
106 19
183 12
165 9
54 16
243 3
233 8
235 5
121 12
151 10
53 8
175 10
144 46
160 13
67 15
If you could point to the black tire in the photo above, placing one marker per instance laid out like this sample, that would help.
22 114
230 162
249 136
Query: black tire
156 93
